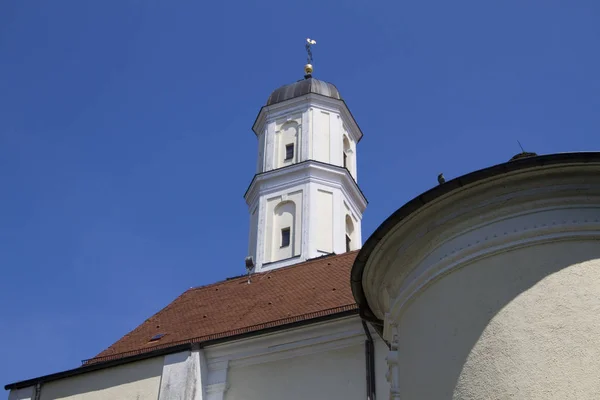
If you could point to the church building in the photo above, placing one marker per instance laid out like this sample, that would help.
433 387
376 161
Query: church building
290 328
487 286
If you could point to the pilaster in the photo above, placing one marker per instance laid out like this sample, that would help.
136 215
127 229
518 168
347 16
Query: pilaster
307 249
188 375
269 146
305 133
392 360
183 376
217 380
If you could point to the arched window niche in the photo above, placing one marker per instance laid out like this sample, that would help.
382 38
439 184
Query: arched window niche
283 236
287 144
348 155
350 240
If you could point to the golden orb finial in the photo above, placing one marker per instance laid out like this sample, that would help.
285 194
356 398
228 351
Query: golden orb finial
308 69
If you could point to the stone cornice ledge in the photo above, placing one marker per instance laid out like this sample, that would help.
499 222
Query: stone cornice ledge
521 209
306 171
312 339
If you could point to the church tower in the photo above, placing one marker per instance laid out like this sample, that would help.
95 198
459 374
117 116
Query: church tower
304 200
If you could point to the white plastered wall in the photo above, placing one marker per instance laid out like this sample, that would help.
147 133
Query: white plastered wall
336 374
327 221
523 324
324 231
321 361
139 380
321 135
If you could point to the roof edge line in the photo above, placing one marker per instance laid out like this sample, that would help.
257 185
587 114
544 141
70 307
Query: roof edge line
230 333
344 311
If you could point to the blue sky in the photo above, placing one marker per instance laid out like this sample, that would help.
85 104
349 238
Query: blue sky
126 142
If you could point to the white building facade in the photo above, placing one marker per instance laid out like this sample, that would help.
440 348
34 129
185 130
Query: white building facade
488 285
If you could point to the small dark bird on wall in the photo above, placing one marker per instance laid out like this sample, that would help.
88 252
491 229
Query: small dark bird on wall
441 179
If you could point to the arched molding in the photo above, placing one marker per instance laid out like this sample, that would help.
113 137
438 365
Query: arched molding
350 233
349 161
284 217
479 221
441 269
288 134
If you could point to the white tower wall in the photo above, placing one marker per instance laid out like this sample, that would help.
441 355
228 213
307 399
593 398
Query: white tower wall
310 190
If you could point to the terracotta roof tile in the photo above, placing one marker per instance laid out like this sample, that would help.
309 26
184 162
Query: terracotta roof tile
300 292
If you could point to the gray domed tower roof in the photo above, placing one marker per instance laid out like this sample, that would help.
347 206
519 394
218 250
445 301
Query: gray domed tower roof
302 87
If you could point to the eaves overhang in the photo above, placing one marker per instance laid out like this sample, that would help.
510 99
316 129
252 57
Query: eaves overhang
356 276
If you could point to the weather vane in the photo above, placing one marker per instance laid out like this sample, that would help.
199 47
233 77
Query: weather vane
308 68
309 42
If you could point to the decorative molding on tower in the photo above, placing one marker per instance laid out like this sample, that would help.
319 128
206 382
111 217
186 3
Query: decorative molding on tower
300 104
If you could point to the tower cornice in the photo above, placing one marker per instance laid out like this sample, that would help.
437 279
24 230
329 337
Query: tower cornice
303 172
278 110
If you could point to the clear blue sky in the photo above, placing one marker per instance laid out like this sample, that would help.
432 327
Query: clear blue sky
126 142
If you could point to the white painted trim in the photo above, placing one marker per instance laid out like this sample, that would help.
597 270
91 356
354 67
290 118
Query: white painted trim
479 218
295 342
297 174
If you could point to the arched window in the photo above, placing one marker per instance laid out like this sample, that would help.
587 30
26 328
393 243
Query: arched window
284 231
347 154
349 234
287 144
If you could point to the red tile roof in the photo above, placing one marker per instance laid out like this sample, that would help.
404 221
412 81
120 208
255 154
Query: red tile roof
312 289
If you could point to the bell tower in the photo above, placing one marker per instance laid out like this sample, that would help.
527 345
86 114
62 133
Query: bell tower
304 200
